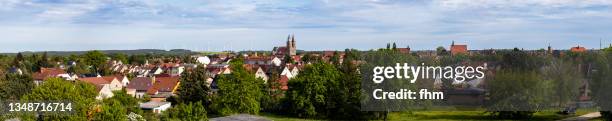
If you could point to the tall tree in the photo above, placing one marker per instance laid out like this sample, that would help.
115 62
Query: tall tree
96 59
81 95
601 86
239 92
388 46
13 86
44 61
18 59
193 86
335 59
566 81
308 93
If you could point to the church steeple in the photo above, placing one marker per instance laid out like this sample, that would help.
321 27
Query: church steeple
293 41
291 49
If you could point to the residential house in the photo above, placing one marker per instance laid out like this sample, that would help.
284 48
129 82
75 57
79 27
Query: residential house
163 87
276 61
173 69
123 79
257 70
155 106
114 82
104 88
216 69
104 91
287 72
138 86
156 71
263 60
46 73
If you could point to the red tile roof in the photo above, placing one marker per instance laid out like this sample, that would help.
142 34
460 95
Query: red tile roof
258 58
456 49
283 81
281 51
47 73
95 80
578 49
251 67
140 83
297 58
404 50
109 78
164 84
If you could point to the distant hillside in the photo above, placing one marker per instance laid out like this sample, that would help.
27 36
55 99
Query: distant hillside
127 52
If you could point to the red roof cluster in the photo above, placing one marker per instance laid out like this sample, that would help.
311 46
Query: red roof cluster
47 73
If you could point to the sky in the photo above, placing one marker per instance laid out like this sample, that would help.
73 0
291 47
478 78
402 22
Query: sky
216 25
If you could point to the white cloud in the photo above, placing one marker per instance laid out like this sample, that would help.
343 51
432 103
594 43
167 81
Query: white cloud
115 24
461 4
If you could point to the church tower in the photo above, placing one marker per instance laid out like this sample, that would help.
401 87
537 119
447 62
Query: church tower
291 45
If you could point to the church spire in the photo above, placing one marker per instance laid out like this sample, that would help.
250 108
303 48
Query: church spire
292 37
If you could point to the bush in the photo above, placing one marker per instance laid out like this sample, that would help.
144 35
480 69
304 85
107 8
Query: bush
186 112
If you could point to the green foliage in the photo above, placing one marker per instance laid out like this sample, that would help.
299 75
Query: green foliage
120 57
344 98
82 95
188 59
18 59
520 60
383 57
137 59
13 86
272 95
96 59
566 81
441 51
601 84
193 86
308 92
309 58
44 61
186 112
126 101
239 92
288 59
335 59
516 94
111 110
608 49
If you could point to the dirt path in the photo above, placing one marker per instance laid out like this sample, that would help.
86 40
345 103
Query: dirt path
583 117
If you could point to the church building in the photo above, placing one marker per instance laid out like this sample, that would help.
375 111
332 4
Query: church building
289 49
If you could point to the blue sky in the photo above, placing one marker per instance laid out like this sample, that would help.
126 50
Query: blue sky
215 25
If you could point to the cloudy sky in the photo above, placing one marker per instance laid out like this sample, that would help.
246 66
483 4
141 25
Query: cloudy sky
215 25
